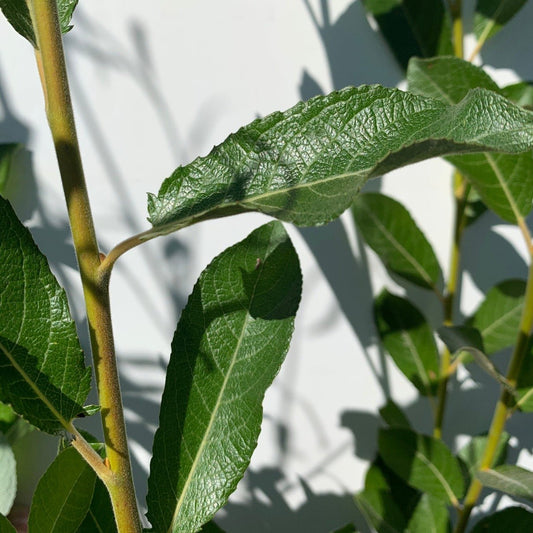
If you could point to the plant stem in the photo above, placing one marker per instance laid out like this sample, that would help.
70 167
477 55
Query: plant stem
456 9
461 191
52 69
505 405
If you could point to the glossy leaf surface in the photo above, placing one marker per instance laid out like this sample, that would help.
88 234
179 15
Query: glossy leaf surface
391 232
230 342
306 165
430 516
42 371
8 476
510 479
504 182
63 495
7 151
512 519
413 27
423 462
17 13
492 15
409 340
498 316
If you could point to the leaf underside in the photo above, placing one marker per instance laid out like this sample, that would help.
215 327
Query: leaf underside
42 371
306 165
230 342
510 479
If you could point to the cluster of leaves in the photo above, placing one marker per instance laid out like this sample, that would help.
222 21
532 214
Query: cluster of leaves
305 166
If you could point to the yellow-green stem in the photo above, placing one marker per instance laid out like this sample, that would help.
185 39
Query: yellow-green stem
52 69
457 27
504 407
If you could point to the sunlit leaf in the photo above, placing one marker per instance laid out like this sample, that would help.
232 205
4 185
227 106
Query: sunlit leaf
430 516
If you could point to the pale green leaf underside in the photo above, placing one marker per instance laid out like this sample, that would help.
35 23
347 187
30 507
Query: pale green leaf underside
510 479
492 15
503 181
42 371
423 462
390 231
63 495
17 13
307 164
8 476
230 342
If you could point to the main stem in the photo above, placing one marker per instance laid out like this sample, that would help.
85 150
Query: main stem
52 69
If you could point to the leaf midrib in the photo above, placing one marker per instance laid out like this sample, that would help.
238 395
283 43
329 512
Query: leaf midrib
509 480
438 475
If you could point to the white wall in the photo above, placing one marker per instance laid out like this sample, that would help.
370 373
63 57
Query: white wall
156 84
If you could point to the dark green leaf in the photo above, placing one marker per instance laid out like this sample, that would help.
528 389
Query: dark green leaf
413 27
306 165
448 79
409 340
380 511
7 151
17 13
423 462
393 415
472 453
42 371
510 479
498 317
430 516
5 525
348 528
390 231
99 517
512 519
230 342
8 476
524 385
63 495
492 15
520 93
210 527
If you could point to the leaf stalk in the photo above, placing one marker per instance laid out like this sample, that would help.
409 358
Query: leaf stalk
52 70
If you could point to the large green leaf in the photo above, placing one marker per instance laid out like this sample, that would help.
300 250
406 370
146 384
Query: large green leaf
63 495
423 462
7 151
42 372
413 27
306 165
6 526
391 232
8 476
393 416
510 479
520 93
17 13
512 519
498 316
409 340
504 181
380 511
99 517
230 342
430 516
492 15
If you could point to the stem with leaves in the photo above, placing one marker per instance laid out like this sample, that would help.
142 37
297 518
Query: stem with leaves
52 69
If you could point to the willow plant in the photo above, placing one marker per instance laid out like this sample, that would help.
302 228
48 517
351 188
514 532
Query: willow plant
303 166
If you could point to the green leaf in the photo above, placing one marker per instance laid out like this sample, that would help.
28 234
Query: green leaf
7 152
504 182
306 165
6 526
524 385
512 519
63 495
448 79
99 517
42 371
348 528
472 453
391 232
409 340
520 93
7 417
498 316
492 15
210 527
423 462
393 415
380 511
510 479
413 27
230 342
430 516
17 13
8 477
